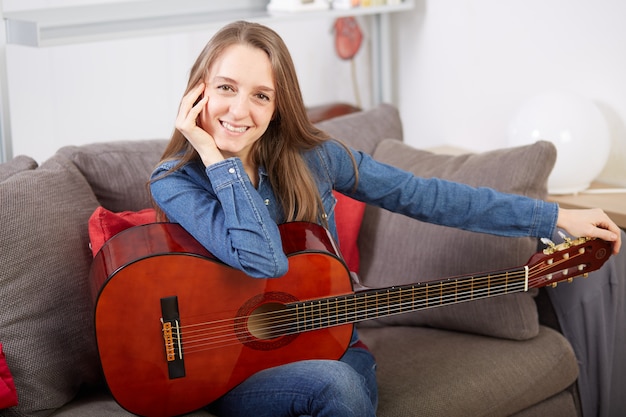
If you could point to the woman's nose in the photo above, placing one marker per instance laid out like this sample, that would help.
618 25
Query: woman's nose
239 106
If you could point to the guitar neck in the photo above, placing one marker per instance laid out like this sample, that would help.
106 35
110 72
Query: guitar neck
372 304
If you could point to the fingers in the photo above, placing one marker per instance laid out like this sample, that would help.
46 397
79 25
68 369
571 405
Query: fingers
190 107
616 237
606 229
602 231
194 95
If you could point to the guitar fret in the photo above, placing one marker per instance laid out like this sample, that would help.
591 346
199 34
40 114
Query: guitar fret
317 315
297 315
506 280
451 291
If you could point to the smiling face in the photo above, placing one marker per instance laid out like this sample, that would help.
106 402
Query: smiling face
241 91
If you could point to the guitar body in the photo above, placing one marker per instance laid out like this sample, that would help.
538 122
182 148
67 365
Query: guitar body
151 271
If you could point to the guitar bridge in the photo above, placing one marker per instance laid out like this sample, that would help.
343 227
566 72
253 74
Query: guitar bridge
172 337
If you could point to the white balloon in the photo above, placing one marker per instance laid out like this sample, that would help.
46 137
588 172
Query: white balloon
575 126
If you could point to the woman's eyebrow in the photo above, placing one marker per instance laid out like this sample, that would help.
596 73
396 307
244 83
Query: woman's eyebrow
223 79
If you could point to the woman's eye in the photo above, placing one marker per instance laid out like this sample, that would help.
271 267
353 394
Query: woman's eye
225 88
263 97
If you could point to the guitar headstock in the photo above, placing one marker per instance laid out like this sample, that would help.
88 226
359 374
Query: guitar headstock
566 261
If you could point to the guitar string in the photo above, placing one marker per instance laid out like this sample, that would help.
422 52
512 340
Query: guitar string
466 281
281 332
287 327
282 320
396 292
231 338
316 321
392 297
416 288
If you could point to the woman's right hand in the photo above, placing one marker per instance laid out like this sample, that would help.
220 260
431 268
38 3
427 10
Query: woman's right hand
190 108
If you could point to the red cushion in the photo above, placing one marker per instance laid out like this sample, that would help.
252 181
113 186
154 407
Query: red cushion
104 224
8 394
348 216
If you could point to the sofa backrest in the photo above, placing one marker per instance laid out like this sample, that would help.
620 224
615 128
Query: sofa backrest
365 130
118 172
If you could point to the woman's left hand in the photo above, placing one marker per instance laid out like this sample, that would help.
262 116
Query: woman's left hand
590 223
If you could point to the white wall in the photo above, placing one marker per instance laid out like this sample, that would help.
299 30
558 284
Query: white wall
466 66
130 89
462 69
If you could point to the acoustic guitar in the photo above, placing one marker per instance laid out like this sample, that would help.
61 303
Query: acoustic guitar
176 328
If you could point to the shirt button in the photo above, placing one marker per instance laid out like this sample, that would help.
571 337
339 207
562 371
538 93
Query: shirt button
267 202
231 170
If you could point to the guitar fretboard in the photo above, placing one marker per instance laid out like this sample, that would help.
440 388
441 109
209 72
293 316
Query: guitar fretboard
371 304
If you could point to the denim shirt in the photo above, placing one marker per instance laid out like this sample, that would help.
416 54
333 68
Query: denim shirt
238 223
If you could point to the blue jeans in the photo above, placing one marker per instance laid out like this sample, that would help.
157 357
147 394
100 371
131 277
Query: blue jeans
317 388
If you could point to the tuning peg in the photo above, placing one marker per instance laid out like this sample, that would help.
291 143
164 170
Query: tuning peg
566 238
551 246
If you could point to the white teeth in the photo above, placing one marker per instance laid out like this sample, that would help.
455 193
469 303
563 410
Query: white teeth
232 128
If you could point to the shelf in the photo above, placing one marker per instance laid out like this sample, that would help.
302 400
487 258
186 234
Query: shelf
610 198
70 25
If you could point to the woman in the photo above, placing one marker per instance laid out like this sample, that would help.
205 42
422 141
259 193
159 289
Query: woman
244 158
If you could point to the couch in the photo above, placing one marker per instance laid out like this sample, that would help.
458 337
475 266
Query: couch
498 356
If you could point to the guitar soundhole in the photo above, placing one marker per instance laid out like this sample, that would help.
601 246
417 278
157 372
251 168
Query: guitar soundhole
265 323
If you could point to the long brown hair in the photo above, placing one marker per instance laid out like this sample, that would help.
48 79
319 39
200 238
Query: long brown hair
289 133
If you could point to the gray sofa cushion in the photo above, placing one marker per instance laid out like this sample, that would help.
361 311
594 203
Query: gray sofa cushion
364 130
118 171
388 241
18 164
473 376
562 404
100 403
46 316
